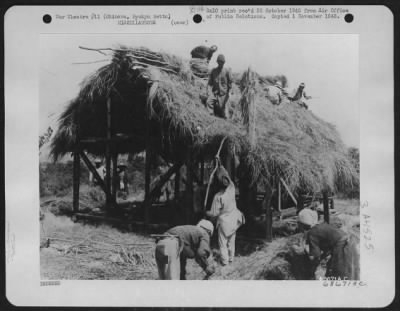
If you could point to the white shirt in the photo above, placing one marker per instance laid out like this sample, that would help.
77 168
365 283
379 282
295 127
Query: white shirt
229 218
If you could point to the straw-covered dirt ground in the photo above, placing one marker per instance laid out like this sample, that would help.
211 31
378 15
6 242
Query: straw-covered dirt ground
77 251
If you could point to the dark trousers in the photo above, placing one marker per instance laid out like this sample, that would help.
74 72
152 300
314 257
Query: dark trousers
217 105
344 262
183 267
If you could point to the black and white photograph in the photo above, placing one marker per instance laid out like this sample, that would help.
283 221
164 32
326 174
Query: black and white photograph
243 154
201 158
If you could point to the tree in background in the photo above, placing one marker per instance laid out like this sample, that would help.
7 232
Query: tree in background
45 137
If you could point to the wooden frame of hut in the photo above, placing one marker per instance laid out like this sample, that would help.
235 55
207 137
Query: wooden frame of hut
148 101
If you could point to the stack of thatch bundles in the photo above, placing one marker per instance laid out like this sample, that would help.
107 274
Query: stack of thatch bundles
306 151
199 67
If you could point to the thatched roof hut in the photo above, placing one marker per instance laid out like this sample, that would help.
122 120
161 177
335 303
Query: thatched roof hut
307 151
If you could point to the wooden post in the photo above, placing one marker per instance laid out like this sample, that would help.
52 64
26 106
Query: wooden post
76 181
247 193
228 160
202 170
177 185
76 165
279 195
147 176
233 169
300 203
326 206
147 202
268 214
189 187
114 178
108 157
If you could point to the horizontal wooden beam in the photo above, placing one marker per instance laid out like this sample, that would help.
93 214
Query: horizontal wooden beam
117 138
116 220
288 212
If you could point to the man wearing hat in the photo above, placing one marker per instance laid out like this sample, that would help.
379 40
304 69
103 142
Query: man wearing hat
324 240
298 95
204 52
220 83
180 243
226 214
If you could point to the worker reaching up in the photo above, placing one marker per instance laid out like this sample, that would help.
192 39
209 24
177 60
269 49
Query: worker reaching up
180 243
227 216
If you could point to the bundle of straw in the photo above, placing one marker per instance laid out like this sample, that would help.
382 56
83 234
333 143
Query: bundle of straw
199 67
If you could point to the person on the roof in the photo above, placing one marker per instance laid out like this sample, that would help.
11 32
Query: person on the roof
276 93
219 85
180 243
226 214
204 52
323 240
298 95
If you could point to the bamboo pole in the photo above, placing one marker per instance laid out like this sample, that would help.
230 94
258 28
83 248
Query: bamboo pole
147 202
108 157
326 206
177 184
76 181
76 165
228 161
300 203
268 214
189 187
233 168
202 170
114 177
279 196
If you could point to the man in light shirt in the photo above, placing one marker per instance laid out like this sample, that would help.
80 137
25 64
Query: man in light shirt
227 216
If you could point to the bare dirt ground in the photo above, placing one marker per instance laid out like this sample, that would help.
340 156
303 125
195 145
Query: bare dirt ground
86 252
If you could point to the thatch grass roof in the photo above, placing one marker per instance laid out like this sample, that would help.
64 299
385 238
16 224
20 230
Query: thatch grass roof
307 151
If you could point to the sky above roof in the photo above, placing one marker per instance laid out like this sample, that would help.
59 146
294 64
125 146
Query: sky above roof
326 63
